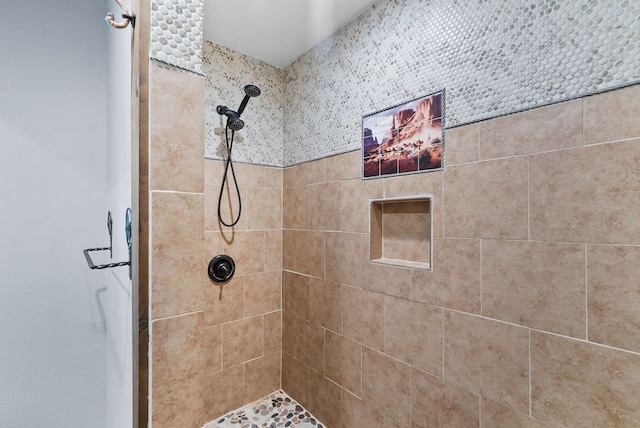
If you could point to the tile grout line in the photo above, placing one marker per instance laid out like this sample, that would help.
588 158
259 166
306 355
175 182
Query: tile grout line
586 292
530 377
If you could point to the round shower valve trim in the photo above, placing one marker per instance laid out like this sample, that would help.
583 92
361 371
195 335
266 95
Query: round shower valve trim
221 268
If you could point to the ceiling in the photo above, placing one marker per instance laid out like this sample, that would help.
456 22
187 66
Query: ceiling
276 31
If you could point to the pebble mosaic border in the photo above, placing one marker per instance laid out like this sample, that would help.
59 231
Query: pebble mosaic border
274 411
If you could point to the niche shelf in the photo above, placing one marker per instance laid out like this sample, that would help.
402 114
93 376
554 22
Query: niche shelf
400 232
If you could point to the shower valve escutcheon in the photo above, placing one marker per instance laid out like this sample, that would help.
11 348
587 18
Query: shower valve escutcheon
221 268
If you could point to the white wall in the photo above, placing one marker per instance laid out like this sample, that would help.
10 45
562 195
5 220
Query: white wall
119 302
53 186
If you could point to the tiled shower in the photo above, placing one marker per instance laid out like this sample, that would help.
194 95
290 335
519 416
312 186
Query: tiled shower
530 314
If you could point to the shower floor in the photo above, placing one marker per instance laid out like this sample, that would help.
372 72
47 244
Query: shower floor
274 411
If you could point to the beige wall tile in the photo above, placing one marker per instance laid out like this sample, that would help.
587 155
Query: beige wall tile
247 250
462 144
273 178
342 258
325 304
407 231
343 362
177 370
419 184
249 175
262 293
358 414
454 282
310 173
295 379
177 241
303 252
542 129
386 385
586 195
324 206
263 208
612 116
295 290
413 334
435 403
212 349
389 280
363 316
536 284
498 415
289 332
325 400
573 382
242 341
290 177
309 339
343 167
487 357
486 199
224 301
213 176
176 130
262 377
273 250
223 392
613 274
273 332
295 214
355 203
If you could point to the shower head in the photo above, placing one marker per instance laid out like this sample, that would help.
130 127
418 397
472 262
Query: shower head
233 119
250 91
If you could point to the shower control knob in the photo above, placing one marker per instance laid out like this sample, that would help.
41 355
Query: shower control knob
221 268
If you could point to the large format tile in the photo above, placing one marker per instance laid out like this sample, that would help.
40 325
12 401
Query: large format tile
355 203
413 334
262 376
573 382
242 341
342 258
436 404
612 116
486 199
462 144
303 252
363 316
223 392
590 194
263 208
262 293
224 301
385 279
326 400
542 129
177 370
343 362
176 130
613 274
386 385
358 414
498 415
324 206
177 239
325 304
487 357
454 281
536 284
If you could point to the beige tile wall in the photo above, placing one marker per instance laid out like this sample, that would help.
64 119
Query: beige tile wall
213 348
531 316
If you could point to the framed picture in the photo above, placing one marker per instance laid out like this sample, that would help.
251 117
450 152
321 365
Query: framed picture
404 139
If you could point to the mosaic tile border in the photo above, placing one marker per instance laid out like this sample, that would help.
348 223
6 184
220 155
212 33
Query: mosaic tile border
274 411
177 34
494 57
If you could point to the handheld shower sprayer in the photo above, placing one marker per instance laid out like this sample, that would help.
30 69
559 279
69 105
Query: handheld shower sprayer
234 123
233 118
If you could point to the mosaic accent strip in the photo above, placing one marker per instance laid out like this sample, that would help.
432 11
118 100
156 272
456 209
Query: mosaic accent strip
275 411
493 57
227 72
176 33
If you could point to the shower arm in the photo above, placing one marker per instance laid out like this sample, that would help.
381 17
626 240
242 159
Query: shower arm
128 17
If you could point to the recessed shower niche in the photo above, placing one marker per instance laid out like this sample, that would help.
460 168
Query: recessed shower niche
400 232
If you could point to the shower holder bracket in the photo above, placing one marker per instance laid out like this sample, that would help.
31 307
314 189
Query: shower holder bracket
110 247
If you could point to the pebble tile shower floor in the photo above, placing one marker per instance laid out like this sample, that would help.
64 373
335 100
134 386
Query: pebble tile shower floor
274 411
